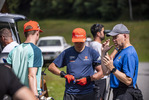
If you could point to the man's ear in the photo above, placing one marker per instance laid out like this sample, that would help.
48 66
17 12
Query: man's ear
37 33
98 33
125 35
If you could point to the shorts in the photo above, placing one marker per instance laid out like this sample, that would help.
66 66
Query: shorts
100 88
88 96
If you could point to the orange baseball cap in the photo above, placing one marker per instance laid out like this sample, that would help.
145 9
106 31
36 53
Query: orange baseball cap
35 26
78 35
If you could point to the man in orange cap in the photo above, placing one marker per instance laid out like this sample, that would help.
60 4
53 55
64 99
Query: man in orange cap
26 59
81 62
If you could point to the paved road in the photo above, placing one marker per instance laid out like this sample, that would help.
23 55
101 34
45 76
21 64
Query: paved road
142 81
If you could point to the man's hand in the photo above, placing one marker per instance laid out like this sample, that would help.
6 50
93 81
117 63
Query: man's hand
108 62
105 46
67 76
83 81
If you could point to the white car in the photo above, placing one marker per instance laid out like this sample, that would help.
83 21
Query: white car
51 47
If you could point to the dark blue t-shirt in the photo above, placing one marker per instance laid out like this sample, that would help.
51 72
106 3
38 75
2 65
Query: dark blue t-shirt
79 64
127 61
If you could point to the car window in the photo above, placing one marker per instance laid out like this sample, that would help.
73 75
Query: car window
9 26
64 41
49 43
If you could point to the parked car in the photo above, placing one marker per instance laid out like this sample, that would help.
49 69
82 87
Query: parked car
10 21
51 47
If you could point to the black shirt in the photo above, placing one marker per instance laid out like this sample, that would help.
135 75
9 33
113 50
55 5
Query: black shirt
9 83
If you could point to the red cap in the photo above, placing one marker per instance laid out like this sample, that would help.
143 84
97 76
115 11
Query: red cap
78 35
35 26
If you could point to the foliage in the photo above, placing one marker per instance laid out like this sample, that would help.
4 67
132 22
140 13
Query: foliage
107 10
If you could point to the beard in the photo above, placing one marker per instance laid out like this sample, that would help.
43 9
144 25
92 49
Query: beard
102 38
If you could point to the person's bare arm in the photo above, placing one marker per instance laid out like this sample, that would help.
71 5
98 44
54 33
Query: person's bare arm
106 71
52 68
24 93
120 75
113 53
97 75
105 48
32 79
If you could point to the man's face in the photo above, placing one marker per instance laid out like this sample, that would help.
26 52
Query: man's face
79 45
119 40
102 36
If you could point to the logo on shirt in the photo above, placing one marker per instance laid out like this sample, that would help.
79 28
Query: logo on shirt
86 58
119 58
72 58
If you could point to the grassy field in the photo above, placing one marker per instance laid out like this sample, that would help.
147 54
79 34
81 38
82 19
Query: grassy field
139 31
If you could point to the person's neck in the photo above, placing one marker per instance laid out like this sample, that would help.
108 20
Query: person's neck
30 40
79 49
97 39
8 42
127 44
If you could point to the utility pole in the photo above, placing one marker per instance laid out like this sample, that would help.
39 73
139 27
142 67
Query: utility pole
130 10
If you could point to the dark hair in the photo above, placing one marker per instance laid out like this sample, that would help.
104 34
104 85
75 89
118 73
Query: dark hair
96 28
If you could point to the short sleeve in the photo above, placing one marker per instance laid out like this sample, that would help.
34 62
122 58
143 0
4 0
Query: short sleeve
96 58
59 61
129 65
9 58
35 58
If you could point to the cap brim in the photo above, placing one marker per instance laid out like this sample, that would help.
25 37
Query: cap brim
78 40
40 30
112 33
33 30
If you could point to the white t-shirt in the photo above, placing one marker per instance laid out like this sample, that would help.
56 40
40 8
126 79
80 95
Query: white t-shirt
97 46
88 41
9 47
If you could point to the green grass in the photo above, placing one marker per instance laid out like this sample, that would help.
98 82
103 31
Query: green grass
139 36
55 85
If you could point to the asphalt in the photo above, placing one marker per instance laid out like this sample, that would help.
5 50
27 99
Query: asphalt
142 81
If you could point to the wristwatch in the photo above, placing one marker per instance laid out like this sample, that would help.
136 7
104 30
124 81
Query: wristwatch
113 70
